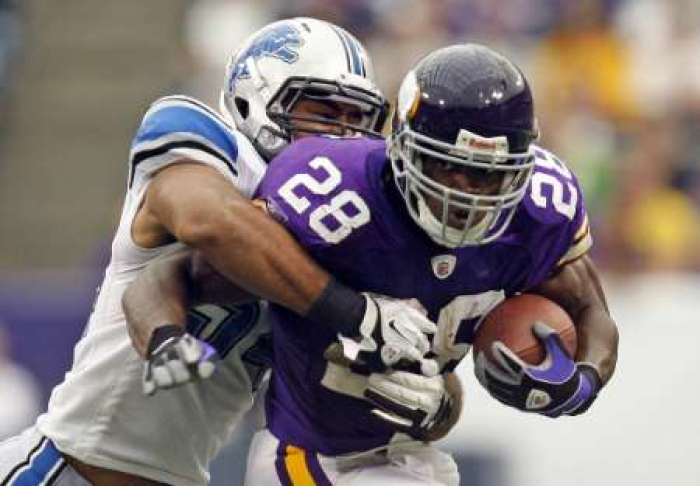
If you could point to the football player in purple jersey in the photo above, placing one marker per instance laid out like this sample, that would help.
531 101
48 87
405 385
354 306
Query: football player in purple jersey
457 211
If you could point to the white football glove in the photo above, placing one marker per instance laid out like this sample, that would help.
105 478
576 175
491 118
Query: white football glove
409 402
176 361
392 331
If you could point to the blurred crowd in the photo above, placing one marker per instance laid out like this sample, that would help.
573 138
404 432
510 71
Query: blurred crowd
617 87
10 41
616 82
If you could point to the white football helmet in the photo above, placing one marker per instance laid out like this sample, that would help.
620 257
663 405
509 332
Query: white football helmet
292 60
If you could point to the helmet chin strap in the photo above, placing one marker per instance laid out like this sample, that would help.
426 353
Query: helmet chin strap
269 142
453 236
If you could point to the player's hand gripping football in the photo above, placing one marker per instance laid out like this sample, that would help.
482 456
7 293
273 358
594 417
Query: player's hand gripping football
410 403
175 358
557 386
393 333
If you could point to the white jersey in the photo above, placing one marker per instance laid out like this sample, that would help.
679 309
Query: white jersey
99 413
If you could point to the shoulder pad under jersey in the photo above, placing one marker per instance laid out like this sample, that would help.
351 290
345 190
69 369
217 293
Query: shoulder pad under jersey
177 127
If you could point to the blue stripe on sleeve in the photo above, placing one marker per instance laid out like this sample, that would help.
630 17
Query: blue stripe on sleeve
40 466
178 119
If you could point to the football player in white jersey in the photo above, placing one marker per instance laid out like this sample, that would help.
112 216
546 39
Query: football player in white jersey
190 176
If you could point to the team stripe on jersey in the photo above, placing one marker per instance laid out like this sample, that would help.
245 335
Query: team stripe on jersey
316 470
581 243
25 463
42 467
583 229
297 467
181 122
140 156
189 106
196 103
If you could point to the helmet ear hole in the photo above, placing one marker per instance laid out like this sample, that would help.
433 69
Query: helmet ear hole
242 106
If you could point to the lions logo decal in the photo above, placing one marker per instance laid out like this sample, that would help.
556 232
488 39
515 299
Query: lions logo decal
280 42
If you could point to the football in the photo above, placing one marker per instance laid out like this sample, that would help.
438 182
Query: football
511 323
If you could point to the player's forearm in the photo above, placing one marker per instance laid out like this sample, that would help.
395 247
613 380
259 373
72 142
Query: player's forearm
246 246
159 296
167 288
197 206
596 331
597 340
258 254
600 335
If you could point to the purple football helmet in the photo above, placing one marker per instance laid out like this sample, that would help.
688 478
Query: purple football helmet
463 109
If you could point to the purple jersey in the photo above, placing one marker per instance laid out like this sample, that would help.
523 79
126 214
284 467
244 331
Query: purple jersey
338 198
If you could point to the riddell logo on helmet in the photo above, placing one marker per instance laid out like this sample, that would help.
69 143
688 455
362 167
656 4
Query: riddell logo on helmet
482 144
472 141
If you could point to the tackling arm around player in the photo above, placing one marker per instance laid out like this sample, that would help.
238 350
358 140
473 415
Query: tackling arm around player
195 205
156 306
473 183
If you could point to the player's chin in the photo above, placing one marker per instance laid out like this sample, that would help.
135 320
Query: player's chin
457 218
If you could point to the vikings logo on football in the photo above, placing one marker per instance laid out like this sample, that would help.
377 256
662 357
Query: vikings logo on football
280 41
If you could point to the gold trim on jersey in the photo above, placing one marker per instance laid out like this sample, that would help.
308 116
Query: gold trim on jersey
297 468
581 244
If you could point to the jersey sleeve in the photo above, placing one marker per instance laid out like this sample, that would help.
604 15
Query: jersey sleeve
178 128
555 202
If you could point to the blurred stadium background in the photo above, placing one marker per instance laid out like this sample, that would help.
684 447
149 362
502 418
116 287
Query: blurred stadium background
617 86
